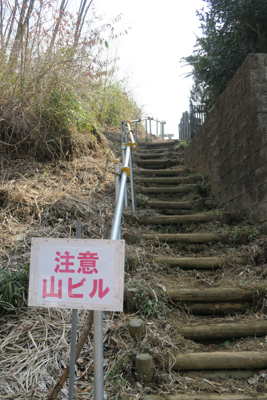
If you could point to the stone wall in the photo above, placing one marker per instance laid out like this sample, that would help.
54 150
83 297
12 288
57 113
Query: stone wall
230 148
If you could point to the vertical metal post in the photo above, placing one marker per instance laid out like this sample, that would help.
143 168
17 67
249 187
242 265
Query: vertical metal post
122 123
132 181
157 131
73 331
117 183
150 130
146 127
163 130
98 356
135 132
123 147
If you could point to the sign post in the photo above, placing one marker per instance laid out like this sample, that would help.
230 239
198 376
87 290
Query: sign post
79 274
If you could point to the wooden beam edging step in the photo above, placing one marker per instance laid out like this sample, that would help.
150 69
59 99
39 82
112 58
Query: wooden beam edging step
147 156
190 262
161 172
165 181
167 204
207 396
218 360
219 374
224 331
211 294
177 219
156 161
156 145
192 238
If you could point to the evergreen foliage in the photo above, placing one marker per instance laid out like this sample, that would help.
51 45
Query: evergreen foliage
231 30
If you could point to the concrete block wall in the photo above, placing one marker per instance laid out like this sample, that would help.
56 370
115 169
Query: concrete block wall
230 148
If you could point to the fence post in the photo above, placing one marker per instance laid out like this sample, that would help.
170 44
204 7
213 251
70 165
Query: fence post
146 127
157 132
135 133
150 130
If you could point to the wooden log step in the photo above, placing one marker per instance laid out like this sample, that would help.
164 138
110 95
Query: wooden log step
207 396
169 143
167 181
219 360
184 205
161 172
219 374
157 161
210 294
147 156
177 219
177 189
190 262
218 308
187 237
224 331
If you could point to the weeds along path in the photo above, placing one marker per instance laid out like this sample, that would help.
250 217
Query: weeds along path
196 276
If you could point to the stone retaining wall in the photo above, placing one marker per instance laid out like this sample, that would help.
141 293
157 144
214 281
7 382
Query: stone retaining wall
230 148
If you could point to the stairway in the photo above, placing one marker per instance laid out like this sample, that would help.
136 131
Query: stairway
210 304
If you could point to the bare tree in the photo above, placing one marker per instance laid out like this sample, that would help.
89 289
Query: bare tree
62 9
80 20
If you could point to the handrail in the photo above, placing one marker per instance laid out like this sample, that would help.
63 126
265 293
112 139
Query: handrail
127 169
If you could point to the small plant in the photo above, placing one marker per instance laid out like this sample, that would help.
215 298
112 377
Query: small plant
14 289
183 145
151 304
114 379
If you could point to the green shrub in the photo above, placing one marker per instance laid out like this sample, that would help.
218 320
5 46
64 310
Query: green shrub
13 290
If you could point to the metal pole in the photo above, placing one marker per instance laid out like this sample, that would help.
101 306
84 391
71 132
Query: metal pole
135 132
146 127
163 130
117 183
73 331
157 132
132 182
122 132
123 147
98 356
150 129
118 211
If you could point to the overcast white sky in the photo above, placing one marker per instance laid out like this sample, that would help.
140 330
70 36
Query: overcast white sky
161 33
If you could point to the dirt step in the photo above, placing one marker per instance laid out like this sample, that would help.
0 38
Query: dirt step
187 237
206 396
176 189
190 262
164 163
177 219
219 360
212 295
219 308
185 205
224 331
162 172
166 181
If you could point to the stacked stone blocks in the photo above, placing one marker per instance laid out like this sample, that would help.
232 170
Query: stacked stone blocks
230 148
